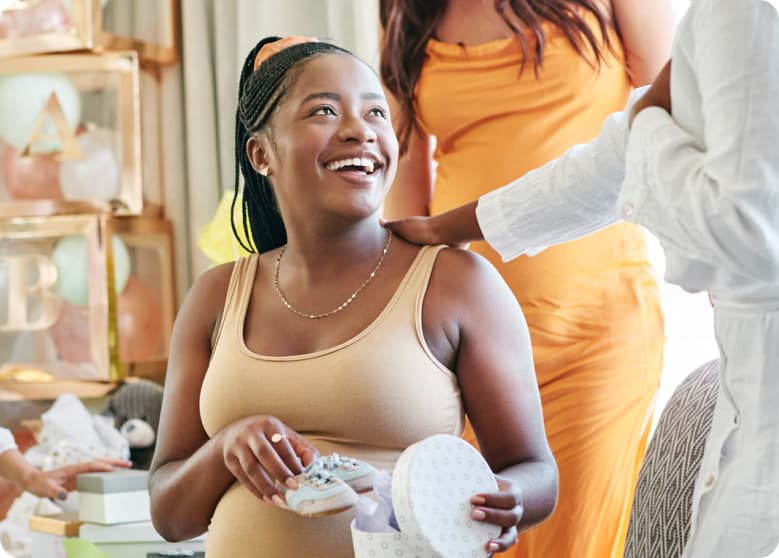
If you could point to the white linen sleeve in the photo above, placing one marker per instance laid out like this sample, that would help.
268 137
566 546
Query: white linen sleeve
569 197
716 198
7 441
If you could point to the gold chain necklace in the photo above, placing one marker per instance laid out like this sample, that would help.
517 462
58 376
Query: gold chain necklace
346 303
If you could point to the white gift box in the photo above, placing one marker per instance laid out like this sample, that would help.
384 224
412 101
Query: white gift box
115 497
137 539
127 540
432 484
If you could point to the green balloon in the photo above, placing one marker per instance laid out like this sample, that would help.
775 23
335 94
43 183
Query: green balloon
71 257
22 99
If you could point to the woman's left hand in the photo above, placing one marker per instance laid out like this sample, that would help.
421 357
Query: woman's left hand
504 509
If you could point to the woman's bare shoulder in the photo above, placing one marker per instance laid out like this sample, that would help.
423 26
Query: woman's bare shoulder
464 280
463 267
206 299
213 281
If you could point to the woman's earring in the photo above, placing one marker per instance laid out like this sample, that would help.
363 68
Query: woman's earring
263 170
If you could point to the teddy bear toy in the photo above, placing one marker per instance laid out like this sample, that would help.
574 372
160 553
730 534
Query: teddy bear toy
135 407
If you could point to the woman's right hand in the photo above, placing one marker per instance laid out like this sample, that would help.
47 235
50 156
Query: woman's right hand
261 451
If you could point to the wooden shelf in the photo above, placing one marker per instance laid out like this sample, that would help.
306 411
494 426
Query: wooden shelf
46 391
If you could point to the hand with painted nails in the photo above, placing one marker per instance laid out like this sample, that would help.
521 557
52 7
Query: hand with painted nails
265 455
53 484
56 484
504 509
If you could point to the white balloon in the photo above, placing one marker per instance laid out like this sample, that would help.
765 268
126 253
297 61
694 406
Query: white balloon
71 257
22 98
96 177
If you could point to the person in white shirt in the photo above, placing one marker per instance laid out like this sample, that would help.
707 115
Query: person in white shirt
695 159
50 484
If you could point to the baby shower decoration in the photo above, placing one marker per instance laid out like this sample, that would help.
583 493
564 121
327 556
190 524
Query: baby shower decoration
149 27
86 263
70 139
85 297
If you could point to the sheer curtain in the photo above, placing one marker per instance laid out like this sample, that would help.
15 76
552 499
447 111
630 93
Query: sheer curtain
188 111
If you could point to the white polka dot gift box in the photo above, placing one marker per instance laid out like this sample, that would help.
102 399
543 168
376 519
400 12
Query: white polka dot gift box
432 484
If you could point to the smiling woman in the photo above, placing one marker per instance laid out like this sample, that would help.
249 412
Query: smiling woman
359 123
336 337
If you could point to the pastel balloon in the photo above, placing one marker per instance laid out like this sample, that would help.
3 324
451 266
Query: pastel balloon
70 334
7 25
96 177
22 99
46 16
139 323
34 177
71 256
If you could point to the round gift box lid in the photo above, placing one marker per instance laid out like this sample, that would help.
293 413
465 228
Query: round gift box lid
432 484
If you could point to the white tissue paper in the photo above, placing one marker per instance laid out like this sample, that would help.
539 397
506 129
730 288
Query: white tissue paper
15 535
71 434
15 540
374 511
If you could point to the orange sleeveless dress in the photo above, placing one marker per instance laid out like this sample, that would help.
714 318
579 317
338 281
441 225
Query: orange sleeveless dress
592 305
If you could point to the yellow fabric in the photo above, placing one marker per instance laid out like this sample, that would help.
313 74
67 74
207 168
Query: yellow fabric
216 239
369 397
592 305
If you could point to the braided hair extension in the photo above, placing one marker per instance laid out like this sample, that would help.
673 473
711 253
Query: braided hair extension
259 94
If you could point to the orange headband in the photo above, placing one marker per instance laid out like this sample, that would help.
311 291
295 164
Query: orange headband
277 46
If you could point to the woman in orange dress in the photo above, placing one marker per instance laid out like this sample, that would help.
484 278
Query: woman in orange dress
487 90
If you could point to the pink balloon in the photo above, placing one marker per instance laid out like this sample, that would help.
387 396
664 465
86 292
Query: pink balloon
7 26
70 334
140 323
47 16
31 178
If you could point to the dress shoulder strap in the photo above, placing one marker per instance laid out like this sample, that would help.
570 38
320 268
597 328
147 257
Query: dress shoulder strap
419 276
238 291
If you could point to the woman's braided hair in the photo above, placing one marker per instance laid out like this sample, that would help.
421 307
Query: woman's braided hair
259 93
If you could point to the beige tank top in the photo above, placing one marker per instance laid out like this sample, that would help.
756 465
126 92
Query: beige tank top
369 398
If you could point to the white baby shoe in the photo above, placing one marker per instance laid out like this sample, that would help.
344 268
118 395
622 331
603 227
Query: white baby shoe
319 493
357 474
